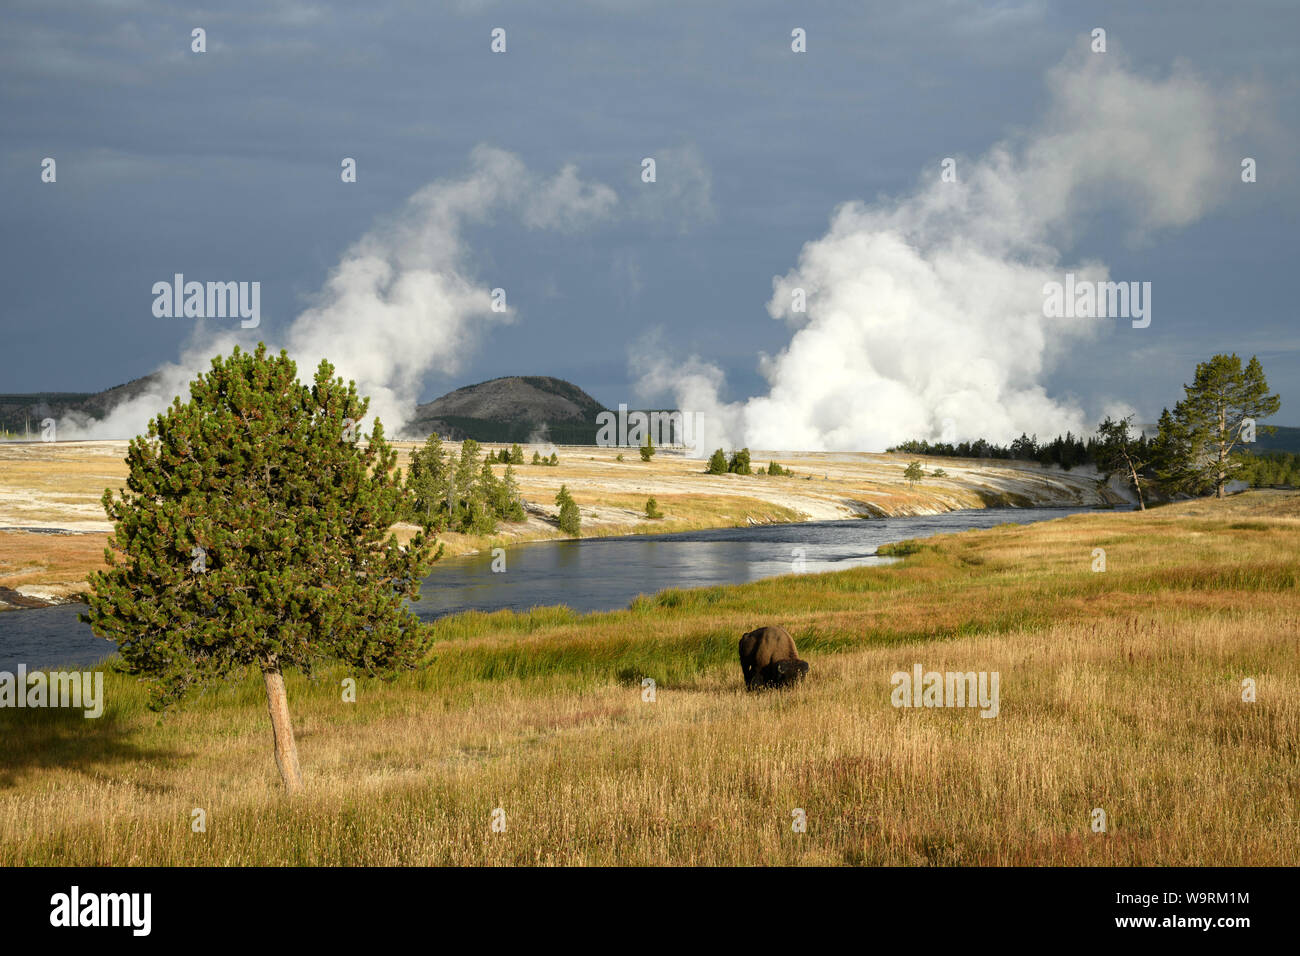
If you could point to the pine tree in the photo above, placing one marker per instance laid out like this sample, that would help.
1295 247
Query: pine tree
487 492
1117 451
1171 459
516 455
1197 443
570 519
739 463
509 503
913 473
717 463
648 449
463 479
254 532
426 484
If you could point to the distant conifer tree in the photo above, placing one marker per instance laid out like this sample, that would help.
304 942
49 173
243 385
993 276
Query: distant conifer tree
570 518
509 503
426 484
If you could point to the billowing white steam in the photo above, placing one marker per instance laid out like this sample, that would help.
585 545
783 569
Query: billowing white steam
931 307
401 302
924 309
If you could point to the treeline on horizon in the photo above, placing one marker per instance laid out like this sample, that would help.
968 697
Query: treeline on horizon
1065 451
1199 446
1262 469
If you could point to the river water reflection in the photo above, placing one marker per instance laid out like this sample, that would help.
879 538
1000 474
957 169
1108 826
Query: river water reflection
595 574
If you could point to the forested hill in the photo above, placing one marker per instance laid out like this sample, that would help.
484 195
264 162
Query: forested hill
22 413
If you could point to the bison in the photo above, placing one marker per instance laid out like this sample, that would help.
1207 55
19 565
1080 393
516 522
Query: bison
768 659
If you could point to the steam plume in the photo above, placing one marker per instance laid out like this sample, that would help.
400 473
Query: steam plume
401 302
930 307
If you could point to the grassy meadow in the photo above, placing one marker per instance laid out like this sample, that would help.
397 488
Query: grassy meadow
1120 690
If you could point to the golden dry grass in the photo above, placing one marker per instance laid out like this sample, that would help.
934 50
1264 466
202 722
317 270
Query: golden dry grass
1119 690
44 559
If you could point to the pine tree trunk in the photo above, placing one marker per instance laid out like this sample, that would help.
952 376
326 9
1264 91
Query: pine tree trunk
1221 476
1137 486
286 748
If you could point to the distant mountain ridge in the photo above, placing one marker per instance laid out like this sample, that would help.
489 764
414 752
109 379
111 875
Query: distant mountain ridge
1284 439
25 411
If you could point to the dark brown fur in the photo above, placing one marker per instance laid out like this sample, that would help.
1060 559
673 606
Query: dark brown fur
768 658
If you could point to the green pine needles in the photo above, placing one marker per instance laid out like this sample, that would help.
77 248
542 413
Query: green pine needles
570 520
254 532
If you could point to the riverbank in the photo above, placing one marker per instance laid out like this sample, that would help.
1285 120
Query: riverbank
51 493
1120 690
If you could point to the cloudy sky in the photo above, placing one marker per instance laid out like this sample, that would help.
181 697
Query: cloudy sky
775 170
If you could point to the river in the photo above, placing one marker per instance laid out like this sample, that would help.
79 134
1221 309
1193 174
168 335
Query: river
592 574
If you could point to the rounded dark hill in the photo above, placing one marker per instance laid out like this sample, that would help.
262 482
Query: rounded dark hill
514 408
